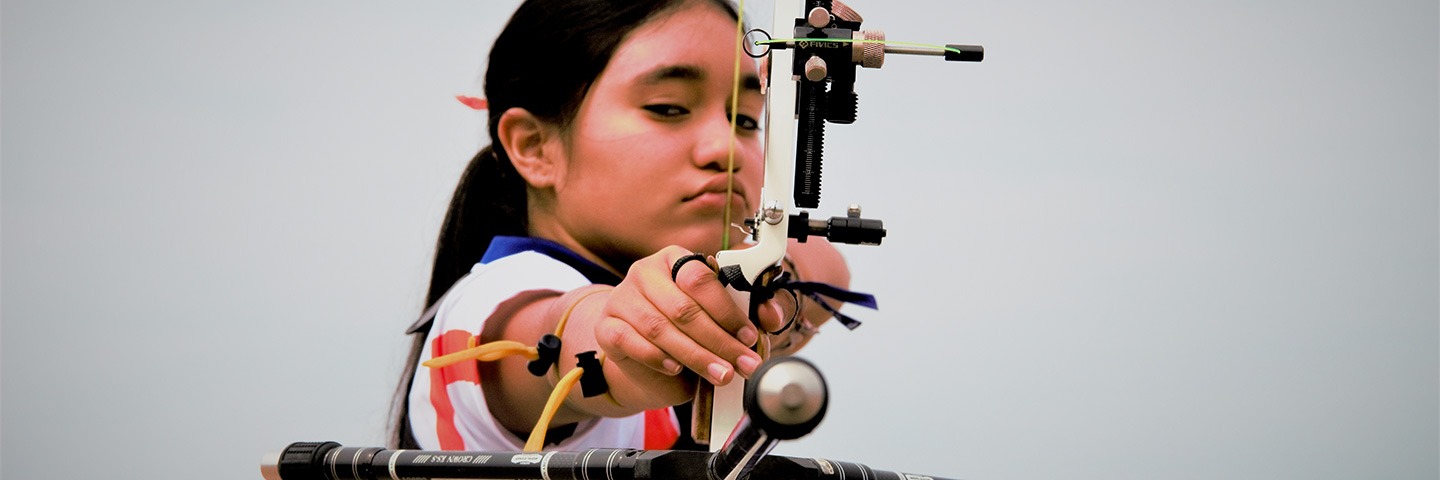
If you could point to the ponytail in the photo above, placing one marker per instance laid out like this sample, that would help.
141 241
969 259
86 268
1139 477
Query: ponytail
488 202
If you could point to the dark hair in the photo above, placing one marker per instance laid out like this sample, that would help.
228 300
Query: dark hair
544 61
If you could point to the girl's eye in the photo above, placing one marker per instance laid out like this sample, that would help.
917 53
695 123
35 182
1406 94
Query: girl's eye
746 122
667 110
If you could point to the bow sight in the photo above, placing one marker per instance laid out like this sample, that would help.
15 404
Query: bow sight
828 44
822 56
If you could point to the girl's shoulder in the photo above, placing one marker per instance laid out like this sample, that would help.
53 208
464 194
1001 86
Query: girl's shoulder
490 285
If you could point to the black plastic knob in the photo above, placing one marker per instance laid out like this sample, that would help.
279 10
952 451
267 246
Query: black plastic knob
302 460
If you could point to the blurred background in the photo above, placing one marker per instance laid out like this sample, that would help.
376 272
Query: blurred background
1143 239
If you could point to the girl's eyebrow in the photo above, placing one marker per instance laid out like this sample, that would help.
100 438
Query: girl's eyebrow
692 74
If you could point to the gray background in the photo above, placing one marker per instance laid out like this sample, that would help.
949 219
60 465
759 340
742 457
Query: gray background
1143 239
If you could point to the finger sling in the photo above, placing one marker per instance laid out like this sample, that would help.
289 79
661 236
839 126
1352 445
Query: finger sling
544 358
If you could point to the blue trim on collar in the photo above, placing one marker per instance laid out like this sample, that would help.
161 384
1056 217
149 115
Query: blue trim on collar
503 246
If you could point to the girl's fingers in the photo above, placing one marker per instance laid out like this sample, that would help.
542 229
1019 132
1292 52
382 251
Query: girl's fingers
702 285
688 346
648 324
778 313
660 390
620 341
771 316
701 308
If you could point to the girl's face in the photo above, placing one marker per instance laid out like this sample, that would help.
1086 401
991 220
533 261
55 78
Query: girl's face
647 152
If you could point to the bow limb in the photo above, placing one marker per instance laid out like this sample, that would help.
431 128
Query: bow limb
773 222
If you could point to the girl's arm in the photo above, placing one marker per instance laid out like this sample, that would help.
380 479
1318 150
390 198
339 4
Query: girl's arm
656 333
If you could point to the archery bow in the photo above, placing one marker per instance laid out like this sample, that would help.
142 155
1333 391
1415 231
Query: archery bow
821 58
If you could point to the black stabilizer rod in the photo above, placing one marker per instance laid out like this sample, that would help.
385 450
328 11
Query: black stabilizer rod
331 461
785 399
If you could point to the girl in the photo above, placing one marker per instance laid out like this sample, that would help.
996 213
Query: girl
610 128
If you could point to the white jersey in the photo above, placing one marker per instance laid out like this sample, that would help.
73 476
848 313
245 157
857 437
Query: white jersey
447 407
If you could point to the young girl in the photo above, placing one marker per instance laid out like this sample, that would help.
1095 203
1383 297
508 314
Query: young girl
610 128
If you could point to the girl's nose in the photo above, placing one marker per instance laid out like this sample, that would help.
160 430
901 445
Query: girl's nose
713 147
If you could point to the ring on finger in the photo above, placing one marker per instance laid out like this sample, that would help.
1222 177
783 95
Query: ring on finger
675 270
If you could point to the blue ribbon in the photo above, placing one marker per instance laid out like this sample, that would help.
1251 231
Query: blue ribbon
819 291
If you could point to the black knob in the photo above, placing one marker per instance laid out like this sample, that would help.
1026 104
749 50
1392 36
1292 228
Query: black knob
300 460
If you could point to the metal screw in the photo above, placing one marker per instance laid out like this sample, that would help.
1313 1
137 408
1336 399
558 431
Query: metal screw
818 17
853 211
774 213
815 69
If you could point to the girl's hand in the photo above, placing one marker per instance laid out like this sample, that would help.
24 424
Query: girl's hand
690 322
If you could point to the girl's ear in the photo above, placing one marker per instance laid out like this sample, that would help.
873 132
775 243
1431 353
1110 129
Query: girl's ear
525 139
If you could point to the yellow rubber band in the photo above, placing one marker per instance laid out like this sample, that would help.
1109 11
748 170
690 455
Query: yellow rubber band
562 390
485 353
565 317
560 329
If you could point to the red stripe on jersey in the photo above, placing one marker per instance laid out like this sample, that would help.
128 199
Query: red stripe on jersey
449 342
661 429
